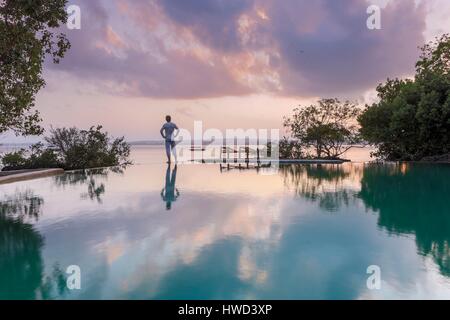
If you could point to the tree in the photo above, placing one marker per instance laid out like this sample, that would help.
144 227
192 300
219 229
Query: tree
81 149
435 57
35 158
329 127
290 149
27 36
72 148
411 121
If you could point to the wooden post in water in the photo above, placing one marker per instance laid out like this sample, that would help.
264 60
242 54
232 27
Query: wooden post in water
224 150
257 151
247 151
192 150
235 149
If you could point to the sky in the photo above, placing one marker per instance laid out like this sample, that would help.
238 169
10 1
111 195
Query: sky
231 64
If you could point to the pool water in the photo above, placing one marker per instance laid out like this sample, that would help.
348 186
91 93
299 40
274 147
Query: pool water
150 231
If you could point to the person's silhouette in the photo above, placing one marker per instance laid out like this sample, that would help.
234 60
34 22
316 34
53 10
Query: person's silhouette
170 193
169 131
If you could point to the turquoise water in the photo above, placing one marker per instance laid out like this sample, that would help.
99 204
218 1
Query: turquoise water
297 232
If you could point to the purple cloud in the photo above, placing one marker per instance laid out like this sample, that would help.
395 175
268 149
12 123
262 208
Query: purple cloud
340 55
213 21
190 49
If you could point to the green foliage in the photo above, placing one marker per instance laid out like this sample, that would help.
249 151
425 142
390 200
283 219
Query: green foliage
27 36
14 160
329 127
412 119
35 158
80 149
72 149
435 57
290 149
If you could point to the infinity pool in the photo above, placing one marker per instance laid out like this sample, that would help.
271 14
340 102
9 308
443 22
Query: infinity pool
197 232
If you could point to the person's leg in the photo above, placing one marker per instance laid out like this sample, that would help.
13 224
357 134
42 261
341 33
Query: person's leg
168 145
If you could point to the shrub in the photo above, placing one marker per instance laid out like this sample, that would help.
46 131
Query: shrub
71 149
34 158
14 160
81 149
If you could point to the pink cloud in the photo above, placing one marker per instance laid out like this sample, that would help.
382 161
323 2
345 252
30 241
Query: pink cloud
191 49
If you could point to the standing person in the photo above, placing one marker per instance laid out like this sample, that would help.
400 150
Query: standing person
169 131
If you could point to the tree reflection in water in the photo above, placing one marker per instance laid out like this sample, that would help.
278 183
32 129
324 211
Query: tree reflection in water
412 199
22 273
21 265
92 178
23 205
327 184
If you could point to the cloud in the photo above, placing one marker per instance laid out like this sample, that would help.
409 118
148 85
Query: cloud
198 49
333 52
213 21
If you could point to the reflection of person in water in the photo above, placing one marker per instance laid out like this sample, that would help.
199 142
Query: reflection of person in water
170 193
